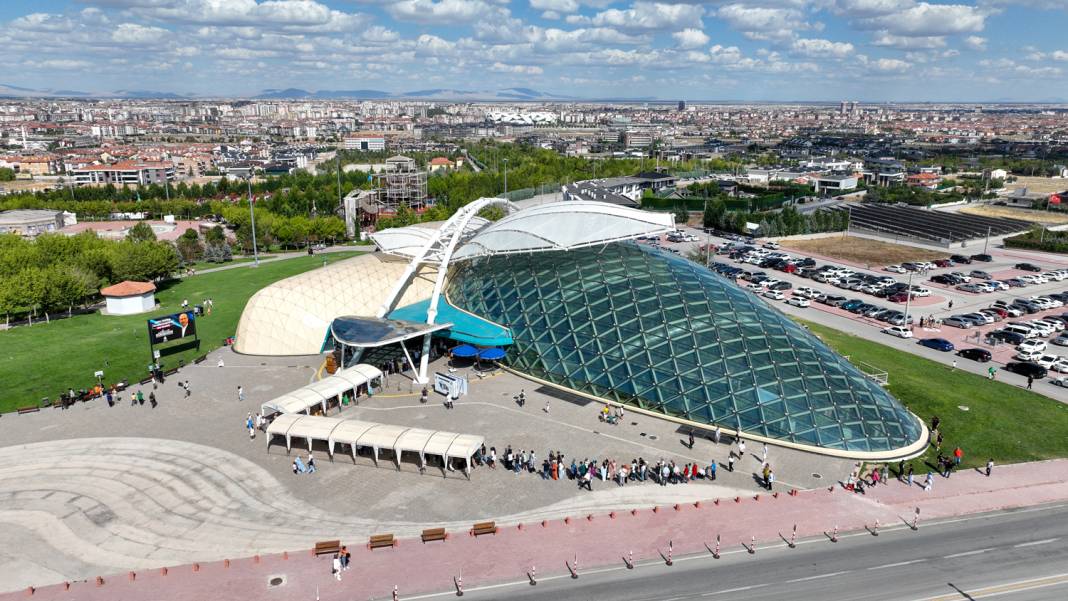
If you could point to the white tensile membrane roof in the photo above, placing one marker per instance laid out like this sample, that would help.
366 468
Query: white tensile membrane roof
408 240
563 226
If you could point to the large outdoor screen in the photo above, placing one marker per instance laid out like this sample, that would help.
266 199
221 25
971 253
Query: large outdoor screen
171 327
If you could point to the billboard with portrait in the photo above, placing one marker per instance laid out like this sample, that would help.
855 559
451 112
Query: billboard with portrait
171 327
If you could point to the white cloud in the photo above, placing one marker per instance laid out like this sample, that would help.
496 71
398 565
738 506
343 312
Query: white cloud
888 40
690 38
650 16
59 64
43 22
132 33
307 15
925 19
440 11
889 65
760 22
817 48
551 15
521 69
1059 55
871 8
560 6
975 42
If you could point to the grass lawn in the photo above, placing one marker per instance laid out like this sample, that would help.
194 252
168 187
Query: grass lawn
1003 421
45 360
202 265
863 250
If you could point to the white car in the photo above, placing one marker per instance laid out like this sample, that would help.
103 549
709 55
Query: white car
1056 324
1027 356
805 292
1047 361
1060 365
1053 275
895 269
1028 278
774 295
1043 328
899 331
799 301
920 291
1031 346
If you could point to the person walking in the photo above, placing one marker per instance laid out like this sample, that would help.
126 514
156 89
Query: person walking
764 453
730 462
240 393
716 435
771 479
910 476
765 473
1030 381
152 399
989 466
691 441
424 396
311 463
928 483
712 470
336 566
251 425
741 448
885 474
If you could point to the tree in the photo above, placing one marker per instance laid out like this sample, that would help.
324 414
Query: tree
142 232
189 246
7 174
681 216
215 235
144 261
713 216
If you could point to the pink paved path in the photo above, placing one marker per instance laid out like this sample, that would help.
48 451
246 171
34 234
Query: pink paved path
420 568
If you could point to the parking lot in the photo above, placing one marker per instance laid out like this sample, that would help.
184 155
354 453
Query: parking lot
939 301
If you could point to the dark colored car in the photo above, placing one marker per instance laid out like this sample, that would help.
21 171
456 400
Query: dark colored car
943 263
985 258
938 344
780 286
1024 368
1028 267
806 262
898 297
1012 338
962 259
833 300
975 354
850 305
945 278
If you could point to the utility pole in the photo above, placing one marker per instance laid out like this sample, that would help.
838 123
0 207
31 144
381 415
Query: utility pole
252 213
987 243
505 177
908 299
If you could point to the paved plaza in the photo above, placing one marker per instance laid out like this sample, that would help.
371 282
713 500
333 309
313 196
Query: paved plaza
94 490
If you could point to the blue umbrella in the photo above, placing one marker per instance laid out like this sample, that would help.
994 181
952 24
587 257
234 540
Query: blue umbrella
491 354
464 350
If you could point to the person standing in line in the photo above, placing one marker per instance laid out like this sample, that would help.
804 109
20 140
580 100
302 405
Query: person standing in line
989 466
152 399
901 468
240 393
885 474
336 567
765 473
771 479
492 461
346 557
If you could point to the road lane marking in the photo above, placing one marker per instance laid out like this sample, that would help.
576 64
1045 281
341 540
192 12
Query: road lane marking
832 574
967 553
734 590
1037 542
896 565
1001 589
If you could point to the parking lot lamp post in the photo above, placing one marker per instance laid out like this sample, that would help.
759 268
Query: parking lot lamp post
505 177
987 243
908 299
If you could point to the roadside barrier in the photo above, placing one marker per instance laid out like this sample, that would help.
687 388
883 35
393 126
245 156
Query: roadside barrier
629 560
752 546
459 582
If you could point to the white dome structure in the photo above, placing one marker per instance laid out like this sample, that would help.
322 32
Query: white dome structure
292 316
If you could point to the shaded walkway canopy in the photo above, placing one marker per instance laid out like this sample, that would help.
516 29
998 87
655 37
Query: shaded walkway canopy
357 434
319 393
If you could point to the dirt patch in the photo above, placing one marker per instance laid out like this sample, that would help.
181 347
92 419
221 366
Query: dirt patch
863 250
1029 215
1039 185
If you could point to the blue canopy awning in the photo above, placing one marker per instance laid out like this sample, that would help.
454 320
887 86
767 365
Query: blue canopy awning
465 327
491 354
464 350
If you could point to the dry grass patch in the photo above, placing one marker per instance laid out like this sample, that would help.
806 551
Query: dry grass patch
862 250
1039 185
1029 215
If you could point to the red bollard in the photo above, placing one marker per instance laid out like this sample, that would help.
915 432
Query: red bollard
656 509
226 563
567 520
285 554
100 581
612 515
676 507
163 571
545 523
737 499
697 504
634 512
589 517
132 575
66 586
775 495
715 502
196 567
255 559
756 497
29 591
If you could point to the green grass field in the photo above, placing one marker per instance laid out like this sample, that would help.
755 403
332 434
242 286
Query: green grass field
45 359
1003 421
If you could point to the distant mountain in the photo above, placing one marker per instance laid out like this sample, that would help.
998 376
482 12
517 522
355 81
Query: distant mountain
21 92
147 94
298 94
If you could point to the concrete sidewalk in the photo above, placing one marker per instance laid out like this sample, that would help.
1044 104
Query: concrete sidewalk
591 539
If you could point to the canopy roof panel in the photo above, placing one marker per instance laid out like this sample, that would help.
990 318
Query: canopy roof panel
563 226
371 332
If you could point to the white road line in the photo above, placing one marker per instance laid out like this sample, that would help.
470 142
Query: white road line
831 575
1037 542
734 590
896 565
967 553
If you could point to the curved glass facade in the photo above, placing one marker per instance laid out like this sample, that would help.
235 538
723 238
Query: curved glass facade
643 327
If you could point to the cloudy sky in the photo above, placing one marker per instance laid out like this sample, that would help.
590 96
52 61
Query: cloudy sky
713 50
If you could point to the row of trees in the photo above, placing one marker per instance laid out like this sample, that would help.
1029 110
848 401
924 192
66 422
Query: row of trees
56 272
786 222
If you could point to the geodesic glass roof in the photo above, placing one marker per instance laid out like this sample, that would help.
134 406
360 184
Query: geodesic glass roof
636 325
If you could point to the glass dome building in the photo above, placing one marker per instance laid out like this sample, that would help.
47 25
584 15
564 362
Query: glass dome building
636 325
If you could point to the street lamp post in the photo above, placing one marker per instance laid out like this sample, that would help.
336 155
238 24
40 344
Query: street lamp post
252 213
908 300
505 177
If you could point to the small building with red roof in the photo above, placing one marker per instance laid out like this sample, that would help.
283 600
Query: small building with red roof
129 297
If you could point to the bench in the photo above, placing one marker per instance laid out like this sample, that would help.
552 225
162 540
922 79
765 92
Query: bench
29 409
199 359
327 547
171 371
381 540
433 534
145 381
484 528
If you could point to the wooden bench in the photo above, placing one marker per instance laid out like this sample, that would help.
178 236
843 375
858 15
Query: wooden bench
145 381
433 534
199 359
327 547
484 528
381 540
29 409
171 371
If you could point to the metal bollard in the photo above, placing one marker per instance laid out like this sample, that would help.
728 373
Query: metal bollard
793 538
752 546
916 520
669 562
630 560
834 535
715 553
532 575
459 582
875 530
395 596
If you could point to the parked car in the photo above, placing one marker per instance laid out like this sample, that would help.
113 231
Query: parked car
780 286
982 275
849 305
898 318
1062 382
894 269
1028 267
774 295
1036 346
975 354
799 301
1060 365
962 259
957 321
943 262
938 344
1015 283
1013 338
1047 360
1061 340
834 300
899 331
985 258
1031 370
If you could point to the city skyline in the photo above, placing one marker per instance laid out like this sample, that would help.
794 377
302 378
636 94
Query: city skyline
742 50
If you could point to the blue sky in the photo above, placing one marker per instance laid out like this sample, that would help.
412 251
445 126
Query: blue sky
868 50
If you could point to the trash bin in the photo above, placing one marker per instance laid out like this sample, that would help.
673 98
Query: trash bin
198 310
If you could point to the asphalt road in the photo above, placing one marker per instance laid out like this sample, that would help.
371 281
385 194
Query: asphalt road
1016 555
